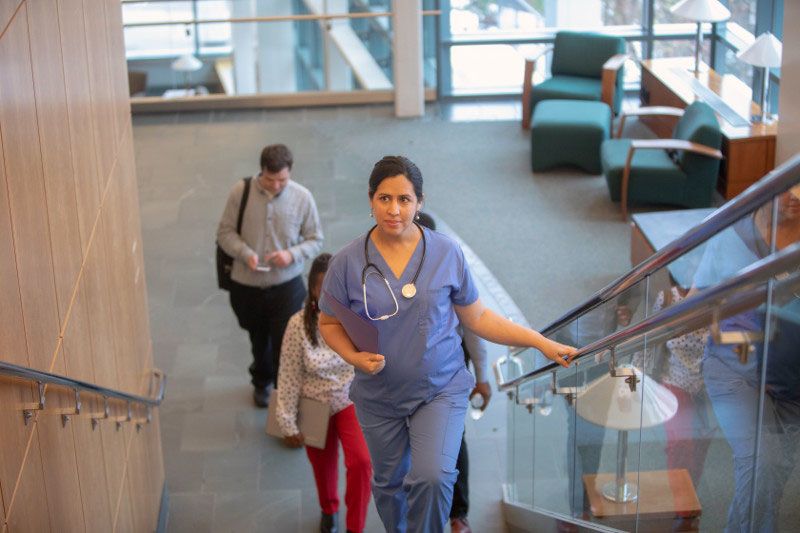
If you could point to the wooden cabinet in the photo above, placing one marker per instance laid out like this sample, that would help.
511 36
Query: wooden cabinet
749 148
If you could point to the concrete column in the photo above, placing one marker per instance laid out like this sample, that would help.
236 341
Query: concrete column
409 87
788 140
276 49
243 41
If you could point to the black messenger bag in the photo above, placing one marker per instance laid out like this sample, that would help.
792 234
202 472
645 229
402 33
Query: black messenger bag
224 261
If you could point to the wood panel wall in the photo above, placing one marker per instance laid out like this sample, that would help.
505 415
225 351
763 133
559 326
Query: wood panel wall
72 288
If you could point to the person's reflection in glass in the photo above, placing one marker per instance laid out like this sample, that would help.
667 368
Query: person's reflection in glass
733 382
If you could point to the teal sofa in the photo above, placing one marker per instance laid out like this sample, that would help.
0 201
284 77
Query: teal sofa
680 171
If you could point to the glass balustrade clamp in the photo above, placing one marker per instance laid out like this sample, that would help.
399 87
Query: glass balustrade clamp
624 371
66 416
106 413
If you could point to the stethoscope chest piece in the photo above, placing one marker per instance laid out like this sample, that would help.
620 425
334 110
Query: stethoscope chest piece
408 291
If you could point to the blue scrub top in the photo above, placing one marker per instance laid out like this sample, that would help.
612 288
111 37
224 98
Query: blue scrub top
421 346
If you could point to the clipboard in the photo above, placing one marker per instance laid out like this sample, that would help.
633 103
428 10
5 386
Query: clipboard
361 331
312 419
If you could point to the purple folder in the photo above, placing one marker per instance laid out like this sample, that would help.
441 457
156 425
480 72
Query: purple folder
360 330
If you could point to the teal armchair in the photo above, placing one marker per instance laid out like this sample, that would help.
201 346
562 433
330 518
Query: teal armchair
585 66
679 171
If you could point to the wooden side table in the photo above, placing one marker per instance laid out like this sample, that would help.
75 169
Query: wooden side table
749 148
667 501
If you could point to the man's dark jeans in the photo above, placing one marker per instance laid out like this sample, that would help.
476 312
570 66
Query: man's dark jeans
460 507
264 313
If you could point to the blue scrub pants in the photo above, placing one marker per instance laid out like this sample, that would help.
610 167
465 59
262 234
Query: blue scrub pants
734 396
414 462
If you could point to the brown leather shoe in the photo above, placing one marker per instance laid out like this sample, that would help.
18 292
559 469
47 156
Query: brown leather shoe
459 525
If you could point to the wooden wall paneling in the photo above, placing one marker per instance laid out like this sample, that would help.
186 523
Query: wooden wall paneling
59 182
127 363
60 466
115 443
100 86
125 515
155 456
80 112
99 308
91 467
26 195
92 475
138 482
7 10
29 510
118 65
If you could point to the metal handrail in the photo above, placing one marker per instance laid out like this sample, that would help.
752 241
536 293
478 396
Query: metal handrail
776 182
46 378
733 295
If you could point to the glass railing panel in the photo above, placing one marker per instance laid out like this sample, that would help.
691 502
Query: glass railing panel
777 479
606 441
521 431
617 313
698 448
554 422
678 486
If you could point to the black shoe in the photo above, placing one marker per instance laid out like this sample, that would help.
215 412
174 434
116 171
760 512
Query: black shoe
261 396
329 523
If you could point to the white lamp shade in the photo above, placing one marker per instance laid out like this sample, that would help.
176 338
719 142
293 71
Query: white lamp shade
187 63
609 402
764 52
701 10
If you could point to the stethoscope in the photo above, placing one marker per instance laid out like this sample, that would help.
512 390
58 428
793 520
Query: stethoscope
408 291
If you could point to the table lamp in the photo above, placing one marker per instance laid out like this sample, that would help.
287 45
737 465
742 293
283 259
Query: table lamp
187 64
613 402
765 52
700 11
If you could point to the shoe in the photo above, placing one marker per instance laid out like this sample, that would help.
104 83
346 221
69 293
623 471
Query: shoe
329 523
261 396
460 525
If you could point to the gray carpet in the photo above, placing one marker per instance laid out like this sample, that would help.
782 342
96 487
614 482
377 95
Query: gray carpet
549 239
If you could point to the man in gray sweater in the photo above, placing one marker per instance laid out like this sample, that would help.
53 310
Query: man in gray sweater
280 230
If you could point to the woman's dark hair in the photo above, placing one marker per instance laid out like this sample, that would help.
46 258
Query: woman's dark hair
276 157
426 221
394 165
311 311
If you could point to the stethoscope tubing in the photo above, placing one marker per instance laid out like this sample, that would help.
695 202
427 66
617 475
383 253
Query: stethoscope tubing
369 264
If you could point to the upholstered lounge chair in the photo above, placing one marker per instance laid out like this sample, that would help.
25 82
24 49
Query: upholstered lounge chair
679 171
585 66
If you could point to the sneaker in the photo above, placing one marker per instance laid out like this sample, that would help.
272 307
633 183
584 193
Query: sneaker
329 523
460 525
261 396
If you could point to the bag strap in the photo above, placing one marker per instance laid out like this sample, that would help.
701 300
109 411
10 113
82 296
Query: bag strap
243 204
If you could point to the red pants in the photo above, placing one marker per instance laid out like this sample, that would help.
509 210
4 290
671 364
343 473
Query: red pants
688 435
325 463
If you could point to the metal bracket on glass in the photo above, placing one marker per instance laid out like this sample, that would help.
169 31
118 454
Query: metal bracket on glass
545 401
569 393
66 416
625 371
27 414
743 341
498 371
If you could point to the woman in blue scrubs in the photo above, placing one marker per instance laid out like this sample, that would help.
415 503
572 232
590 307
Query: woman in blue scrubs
414 286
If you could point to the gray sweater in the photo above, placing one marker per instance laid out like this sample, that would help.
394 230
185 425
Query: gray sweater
288 221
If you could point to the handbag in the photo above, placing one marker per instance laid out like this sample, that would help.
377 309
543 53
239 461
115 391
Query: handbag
224 261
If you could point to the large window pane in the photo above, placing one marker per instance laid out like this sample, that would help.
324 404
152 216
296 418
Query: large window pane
486 68
471 17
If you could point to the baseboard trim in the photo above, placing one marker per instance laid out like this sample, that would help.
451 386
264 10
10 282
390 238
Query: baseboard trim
520 518
163 511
